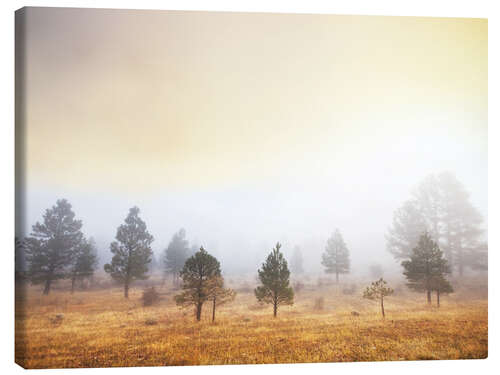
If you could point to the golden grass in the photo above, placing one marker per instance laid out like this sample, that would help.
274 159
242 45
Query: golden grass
101 328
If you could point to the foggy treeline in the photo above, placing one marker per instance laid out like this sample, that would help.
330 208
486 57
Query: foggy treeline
438 207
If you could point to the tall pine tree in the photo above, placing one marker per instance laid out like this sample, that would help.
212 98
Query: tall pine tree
440 205
275 279
425 266
407 226
176 255
85 262
462 235
198 275
336 256
131 251
52 246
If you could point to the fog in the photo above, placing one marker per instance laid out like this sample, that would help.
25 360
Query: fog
241 225
248 129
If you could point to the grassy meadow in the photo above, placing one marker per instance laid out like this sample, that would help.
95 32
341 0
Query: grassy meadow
100 328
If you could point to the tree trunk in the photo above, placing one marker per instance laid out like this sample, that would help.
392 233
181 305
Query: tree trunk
213 311
198 311
73 280
126 289
437 292
382 305
429 297
46 289
275 308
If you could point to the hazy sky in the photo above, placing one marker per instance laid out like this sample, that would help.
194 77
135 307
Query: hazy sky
249 128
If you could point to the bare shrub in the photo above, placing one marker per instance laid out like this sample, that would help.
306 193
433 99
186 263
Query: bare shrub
56 319
151 322
319 304
150 296
355 313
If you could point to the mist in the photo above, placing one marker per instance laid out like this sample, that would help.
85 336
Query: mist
361 141
240 225
246 137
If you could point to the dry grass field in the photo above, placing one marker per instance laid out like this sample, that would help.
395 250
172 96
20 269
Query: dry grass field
99 328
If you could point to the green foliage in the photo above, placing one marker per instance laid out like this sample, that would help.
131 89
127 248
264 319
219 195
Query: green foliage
176 254
377 290
440 205
85 261
441 285
275 279
219 294
426 265
336 256
52 246
131 251
197 277
407 226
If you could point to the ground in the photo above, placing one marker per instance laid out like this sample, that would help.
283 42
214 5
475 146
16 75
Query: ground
100 328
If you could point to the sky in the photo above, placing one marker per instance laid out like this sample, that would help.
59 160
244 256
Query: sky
249 128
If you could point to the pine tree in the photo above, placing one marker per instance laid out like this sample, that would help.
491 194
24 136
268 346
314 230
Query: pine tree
219 294
275 279
51 248
461 226
296 263
427 197
425 266
377 291
85 261
440 205
176 254
131 251
477 257
197 277
336 256
407 226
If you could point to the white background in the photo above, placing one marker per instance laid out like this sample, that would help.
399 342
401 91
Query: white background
478 9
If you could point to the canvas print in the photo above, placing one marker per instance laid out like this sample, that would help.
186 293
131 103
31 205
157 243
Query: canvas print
206 188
